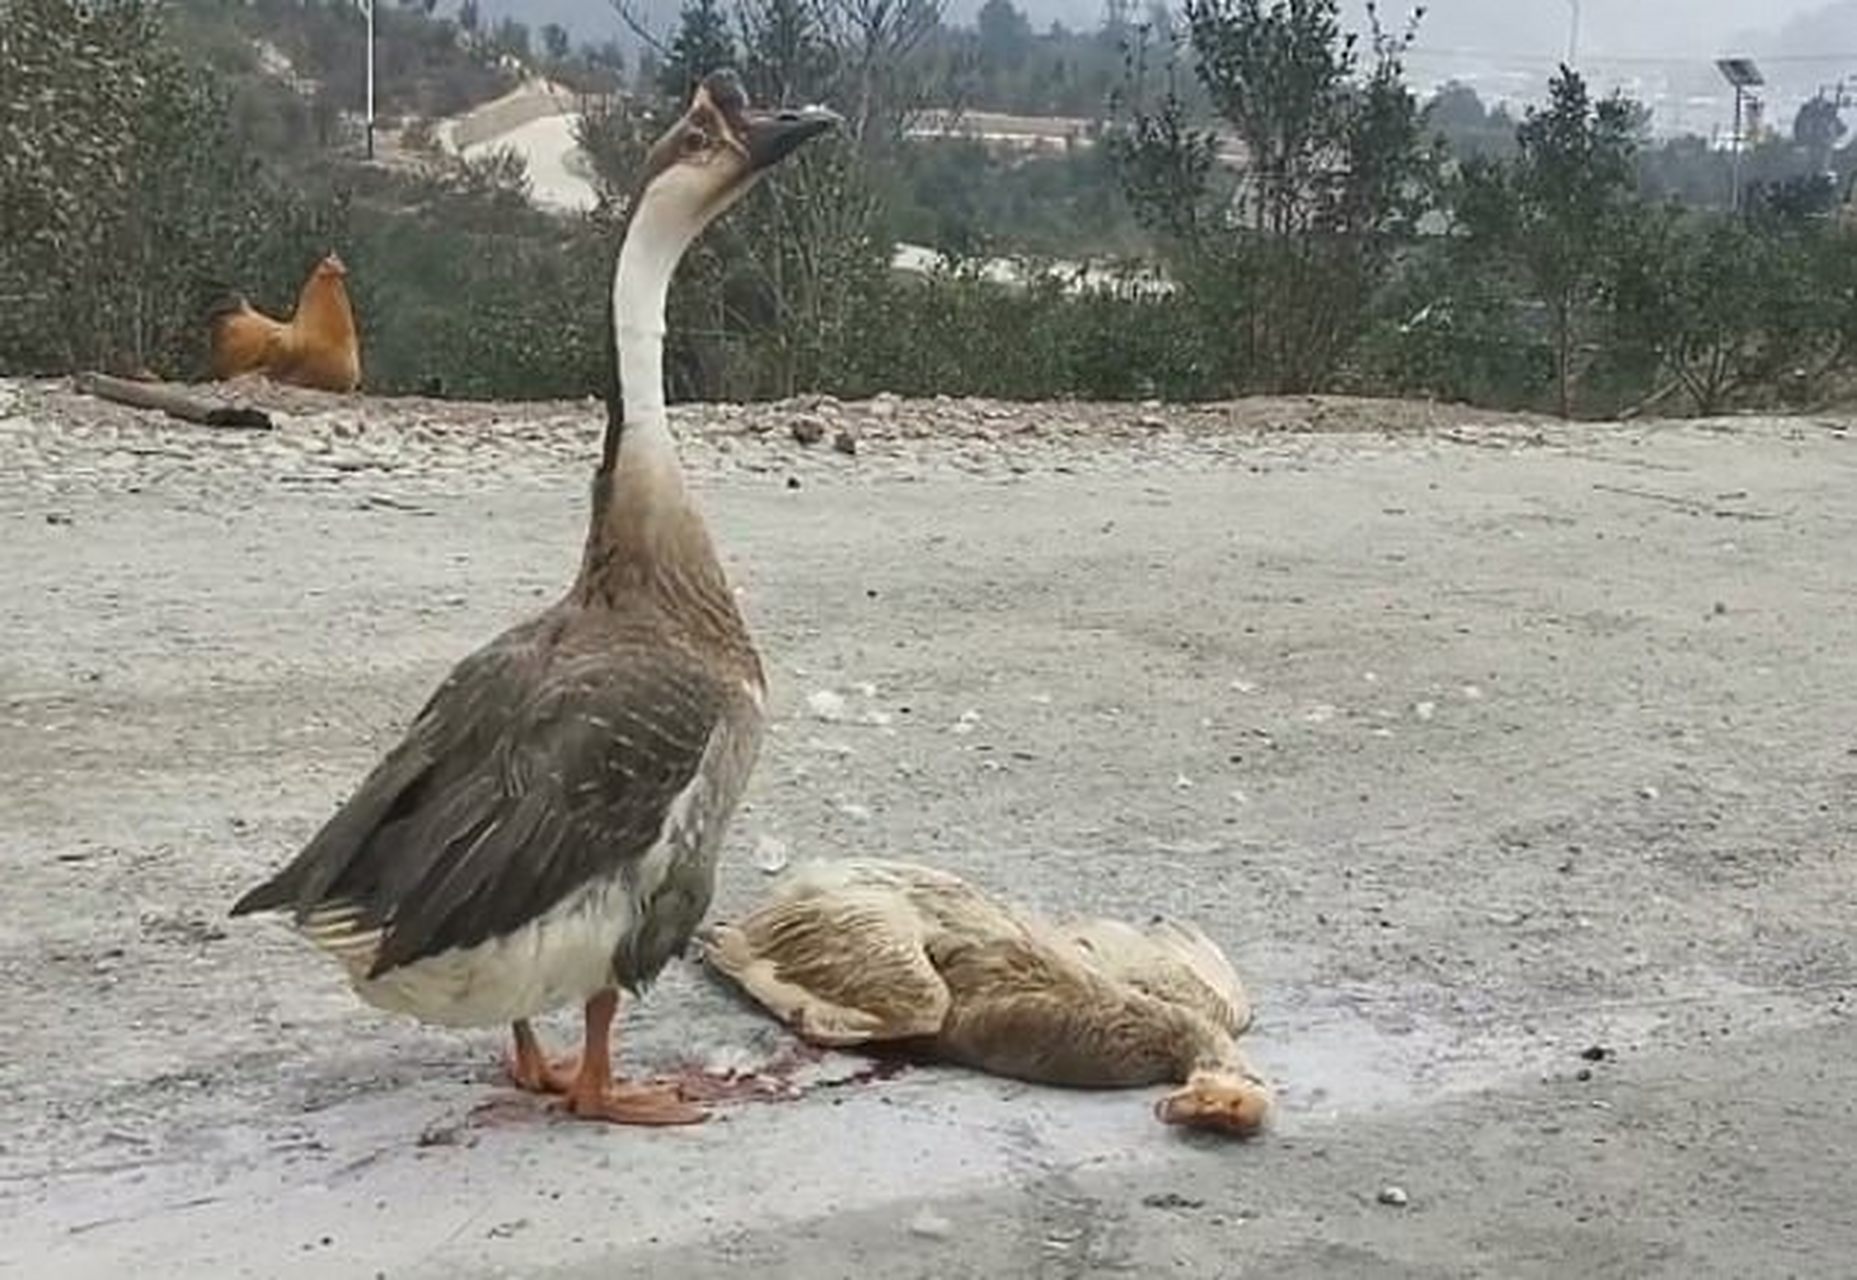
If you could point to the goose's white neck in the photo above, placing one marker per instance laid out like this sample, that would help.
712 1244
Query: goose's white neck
644 528
647 260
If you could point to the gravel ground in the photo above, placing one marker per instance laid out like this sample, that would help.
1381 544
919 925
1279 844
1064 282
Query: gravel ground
1513 762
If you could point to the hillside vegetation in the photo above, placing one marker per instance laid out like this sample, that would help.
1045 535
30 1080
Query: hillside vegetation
153 157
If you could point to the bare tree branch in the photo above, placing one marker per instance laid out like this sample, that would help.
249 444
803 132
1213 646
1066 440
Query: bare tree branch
636 25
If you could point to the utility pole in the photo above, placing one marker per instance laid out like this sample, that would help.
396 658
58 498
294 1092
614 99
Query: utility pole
1743 75
1573 35
1734 180
367 7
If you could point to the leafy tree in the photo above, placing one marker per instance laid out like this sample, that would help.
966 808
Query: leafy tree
512 38
1556 211
1118 20
1467 128
702 43
1695 172
957 195
555 42
1740 307
649 75
1045 340
1449 328
126 193
1688 291
1817 129
1793 202
1332 177
145 155
1005 35
789 55
608 54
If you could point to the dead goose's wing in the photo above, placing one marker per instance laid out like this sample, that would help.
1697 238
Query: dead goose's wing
1170 961
839 968
1199 955
941 901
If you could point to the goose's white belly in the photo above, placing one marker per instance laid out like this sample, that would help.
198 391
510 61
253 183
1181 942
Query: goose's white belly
561 957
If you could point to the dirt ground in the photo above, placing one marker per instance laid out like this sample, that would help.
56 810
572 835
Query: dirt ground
1516 766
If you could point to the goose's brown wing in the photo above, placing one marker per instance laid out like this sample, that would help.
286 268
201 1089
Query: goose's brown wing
526 776
839 968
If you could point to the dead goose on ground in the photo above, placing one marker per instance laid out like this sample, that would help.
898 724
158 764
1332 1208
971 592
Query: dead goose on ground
869 952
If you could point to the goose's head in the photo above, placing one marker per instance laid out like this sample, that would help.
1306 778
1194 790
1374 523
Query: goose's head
715 153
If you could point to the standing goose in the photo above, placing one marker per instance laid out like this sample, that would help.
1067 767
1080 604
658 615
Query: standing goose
546 832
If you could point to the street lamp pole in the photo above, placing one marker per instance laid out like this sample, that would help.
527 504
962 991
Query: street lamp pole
1743 75
1734 190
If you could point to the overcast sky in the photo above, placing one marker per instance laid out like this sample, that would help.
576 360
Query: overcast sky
1660 51
1619 27
1508 46
1635 27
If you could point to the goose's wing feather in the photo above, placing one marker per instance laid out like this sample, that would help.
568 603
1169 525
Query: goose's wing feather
1171 960
939 900
527 774
839 967
825 877
1188 946
1110 946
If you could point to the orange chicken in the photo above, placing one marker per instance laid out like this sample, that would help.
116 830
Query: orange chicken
317 347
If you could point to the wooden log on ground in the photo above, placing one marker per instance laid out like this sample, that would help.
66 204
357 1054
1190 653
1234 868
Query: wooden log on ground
172 401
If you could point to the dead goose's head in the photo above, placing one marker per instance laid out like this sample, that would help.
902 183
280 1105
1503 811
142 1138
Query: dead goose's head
1228 1101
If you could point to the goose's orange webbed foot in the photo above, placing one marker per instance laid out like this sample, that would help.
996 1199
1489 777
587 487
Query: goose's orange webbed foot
589 1091
619 1102
530 1070
752 1086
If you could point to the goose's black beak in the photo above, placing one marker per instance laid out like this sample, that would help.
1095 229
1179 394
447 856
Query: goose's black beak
772 136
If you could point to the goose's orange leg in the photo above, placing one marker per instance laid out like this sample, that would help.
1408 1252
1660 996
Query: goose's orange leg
593 1093
529 1067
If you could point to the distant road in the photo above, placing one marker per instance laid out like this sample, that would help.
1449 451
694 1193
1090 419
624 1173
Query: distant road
537 120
